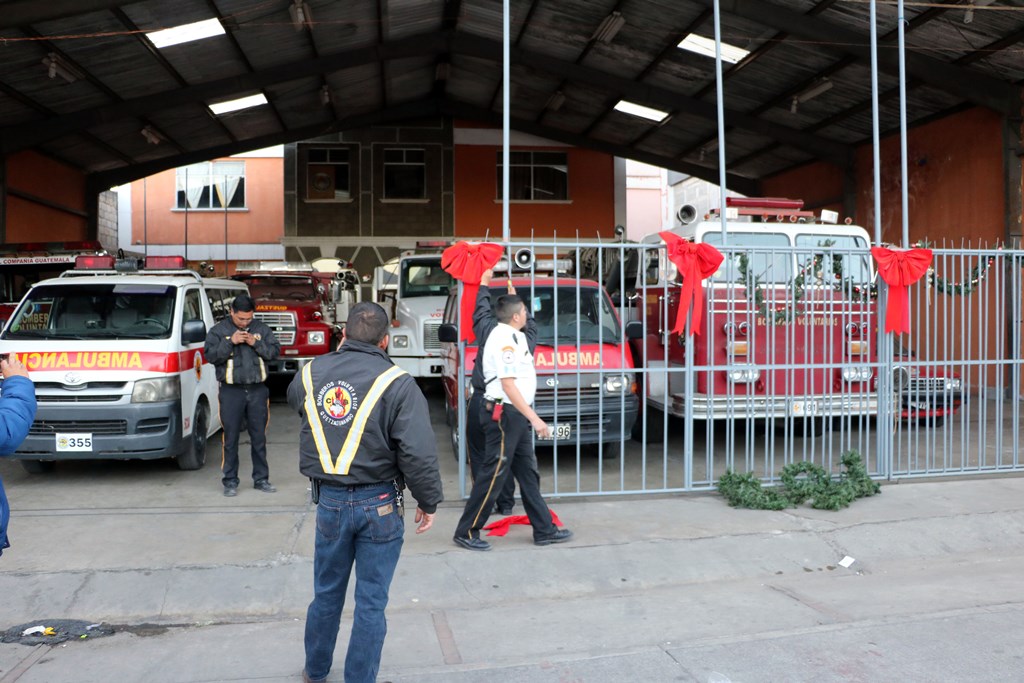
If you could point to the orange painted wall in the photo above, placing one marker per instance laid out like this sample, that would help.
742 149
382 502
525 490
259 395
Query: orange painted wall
591 191
954 175
261 223
40 176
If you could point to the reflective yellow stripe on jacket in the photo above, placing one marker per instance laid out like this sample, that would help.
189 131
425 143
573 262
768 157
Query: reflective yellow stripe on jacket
355 432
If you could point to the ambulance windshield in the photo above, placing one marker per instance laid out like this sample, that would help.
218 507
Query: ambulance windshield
570 315
94 311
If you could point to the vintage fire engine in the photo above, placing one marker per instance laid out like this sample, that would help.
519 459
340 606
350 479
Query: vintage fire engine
789 324
306 308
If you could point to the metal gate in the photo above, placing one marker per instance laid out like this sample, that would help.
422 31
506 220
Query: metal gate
818 376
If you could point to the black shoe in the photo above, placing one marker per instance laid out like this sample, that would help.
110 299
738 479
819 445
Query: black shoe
265 486
472 543
505 512
560 536
230 491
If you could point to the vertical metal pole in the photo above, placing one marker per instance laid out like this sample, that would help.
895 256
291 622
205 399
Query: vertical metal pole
505 104
145 220
720 94
904 194
186 216
224 200
884 422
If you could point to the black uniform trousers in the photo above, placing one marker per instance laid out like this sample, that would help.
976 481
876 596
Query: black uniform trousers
476 443
248 403
508 452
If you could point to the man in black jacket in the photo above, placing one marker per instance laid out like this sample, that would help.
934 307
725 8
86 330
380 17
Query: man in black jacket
239 347
365 435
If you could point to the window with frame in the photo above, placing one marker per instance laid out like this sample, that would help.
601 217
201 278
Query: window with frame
211 185
192 308
536 176
328 174
405 174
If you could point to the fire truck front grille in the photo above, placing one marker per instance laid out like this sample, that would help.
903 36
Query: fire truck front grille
926 385
283 325
430 342
51 427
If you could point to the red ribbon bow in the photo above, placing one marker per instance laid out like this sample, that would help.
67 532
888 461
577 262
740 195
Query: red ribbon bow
900 269
695 262
467 262
501 527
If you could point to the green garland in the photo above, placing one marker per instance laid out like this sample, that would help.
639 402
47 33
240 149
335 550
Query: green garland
801 482
968 286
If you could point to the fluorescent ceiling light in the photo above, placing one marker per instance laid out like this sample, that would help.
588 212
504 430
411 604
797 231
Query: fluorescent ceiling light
641 111
706 47
219 108
186 33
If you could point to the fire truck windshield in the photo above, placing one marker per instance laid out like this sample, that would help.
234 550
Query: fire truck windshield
95 311
836 253
763 261
569 315
424 278
279 287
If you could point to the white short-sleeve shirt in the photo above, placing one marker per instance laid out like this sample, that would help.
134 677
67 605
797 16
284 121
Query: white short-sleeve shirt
506 354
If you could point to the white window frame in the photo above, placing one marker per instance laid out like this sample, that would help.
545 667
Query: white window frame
336 157
209 179
537 195
422 165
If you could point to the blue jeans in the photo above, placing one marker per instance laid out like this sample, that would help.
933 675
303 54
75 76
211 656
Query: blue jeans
359 524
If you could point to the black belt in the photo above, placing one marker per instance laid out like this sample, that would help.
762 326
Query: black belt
354 487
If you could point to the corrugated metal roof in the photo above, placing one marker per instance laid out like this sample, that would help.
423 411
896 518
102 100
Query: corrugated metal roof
382 59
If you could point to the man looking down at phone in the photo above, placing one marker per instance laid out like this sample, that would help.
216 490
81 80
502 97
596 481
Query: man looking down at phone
239 346
510 381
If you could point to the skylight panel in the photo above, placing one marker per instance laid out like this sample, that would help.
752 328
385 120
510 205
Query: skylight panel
219 108
706 48
186 33
655 115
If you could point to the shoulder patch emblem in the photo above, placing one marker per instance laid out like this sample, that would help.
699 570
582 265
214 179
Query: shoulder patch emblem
508 355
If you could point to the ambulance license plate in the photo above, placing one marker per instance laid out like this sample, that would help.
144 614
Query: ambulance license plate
560 433
74 442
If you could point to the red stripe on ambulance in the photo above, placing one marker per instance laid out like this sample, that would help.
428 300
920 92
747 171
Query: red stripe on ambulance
100 360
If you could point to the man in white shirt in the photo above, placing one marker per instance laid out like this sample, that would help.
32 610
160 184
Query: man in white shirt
506 419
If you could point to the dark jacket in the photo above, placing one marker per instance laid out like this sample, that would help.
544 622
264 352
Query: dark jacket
484 322
398 441
17 410
240 363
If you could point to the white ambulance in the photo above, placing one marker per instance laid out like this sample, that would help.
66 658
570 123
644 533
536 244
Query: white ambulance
116 355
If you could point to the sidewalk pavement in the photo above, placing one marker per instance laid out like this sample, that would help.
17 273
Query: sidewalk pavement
676 588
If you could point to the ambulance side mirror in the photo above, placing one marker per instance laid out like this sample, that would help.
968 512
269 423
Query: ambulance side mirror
634 329
193 331
448 333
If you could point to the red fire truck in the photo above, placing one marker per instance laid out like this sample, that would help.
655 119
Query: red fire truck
788 329
26 263
304 307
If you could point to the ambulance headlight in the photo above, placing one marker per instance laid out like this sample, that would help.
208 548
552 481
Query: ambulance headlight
315 337
616 384
160 389
400 341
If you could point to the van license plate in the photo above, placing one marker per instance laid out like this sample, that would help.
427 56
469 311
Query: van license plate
74 442
560 432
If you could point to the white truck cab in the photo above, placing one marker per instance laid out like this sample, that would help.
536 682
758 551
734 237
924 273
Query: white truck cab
116 356
413 289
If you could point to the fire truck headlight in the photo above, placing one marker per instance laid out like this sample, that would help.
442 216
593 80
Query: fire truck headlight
160 389
400 341
616 384
952 384
315 337
744 375
856 374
